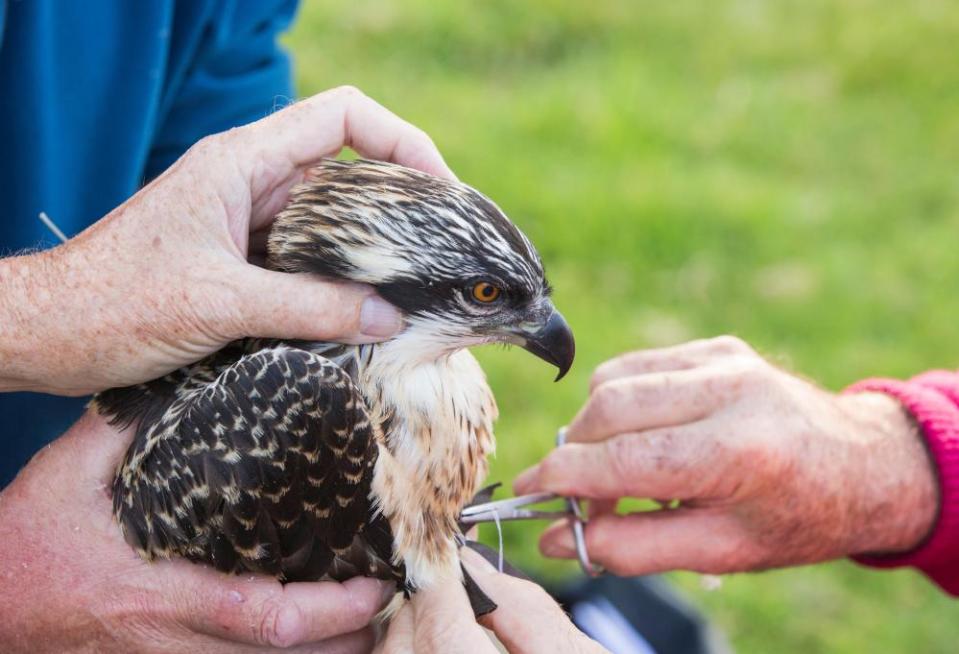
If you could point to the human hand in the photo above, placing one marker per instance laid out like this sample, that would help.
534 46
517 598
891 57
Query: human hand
69 582
439 619
163 279
769 470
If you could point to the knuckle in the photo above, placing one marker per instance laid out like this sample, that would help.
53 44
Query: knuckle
278 624
602 374
597 539
750 375
621 453
596 380
728 344
605 401
423 137
348 92
606 548
551 468
762 457
342 311
751 380
619 367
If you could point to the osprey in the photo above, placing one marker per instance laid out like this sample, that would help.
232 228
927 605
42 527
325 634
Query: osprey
317 460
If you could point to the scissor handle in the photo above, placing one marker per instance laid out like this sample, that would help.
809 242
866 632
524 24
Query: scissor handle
578 524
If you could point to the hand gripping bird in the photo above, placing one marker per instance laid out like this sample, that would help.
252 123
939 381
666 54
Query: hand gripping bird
318 460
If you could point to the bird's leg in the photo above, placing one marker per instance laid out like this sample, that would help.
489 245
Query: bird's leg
484 509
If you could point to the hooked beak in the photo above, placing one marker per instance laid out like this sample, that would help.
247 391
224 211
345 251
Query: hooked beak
551 340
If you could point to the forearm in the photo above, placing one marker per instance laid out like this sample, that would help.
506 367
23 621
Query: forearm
56 320
27 306
96 312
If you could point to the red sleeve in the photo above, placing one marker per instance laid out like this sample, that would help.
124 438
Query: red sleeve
933 399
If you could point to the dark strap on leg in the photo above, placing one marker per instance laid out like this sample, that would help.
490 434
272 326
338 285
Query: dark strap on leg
479 601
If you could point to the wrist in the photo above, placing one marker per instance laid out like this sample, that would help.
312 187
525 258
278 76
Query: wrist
26 304
897 502
937 415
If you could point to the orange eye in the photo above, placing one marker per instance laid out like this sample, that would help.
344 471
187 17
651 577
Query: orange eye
485 292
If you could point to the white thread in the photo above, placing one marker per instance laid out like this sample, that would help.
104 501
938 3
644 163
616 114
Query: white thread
45 219
499 530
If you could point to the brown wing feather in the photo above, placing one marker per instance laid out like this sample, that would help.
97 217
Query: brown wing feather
266 468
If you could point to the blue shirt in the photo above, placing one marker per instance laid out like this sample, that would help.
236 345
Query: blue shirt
97 97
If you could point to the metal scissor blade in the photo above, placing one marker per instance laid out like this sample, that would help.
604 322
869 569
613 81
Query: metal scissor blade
511 508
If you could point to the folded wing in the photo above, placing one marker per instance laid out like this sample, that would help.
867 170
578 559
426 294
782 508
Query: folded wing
264 467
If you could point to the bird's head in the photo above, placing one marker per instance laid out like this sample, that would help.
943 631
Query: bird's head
442 252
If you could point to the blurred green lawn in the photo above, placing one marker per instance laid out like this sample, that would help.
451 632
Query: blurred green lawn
782 171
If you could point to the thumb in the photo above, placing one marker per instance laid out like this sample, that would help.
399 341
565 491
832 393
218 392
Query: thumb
90 449
260 611
444 620
285 305
528 619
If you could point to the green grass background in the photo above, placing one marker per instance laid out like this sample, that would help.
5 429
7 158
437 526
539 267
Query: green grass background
787 172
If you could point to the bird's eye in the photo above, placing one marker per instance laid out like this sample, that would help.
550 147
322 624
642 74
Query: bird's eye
485 292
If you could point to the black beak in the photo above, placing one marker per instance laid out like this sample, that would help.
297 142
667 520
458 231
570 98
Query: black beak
552 342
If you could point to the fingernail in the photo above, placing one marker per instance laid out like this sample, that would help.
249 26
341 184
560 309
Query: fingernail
526 480
559 545
379 318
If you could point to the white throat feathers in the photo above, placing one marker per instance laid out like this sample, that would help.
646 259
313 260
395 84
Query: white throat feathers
438 418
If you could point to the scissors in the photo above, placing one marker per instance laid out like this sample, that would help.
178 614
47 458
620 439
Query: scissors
516 508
